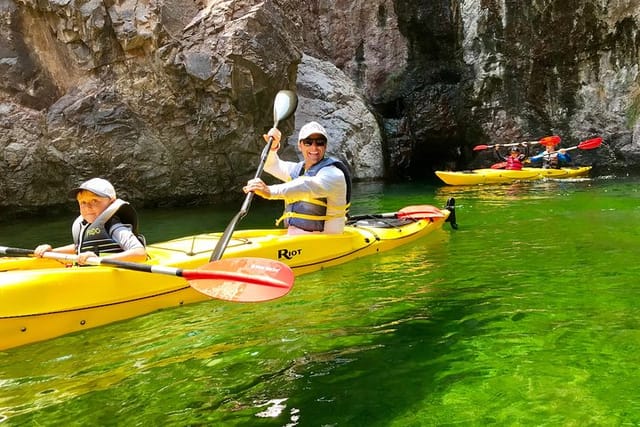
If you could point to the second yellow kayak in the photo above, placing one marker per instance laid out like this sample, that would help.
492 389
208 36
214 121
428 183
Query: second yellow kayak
503 176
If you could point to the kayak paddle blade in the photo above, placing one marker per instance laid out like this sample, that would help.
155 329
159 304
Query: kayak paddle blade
242 279
590 144
284 105
420 212
500 165
550 140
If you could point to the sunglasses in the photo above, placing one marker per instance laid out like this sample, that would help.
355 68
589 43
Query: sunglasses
320 142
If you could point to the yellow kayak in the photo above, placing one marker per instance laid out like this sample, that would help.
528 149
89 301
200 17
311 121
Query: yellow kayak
503 176
42 299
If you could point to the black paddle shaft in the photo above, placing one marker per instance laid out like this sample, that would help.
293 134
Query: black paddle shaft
284 105
216 255
15 251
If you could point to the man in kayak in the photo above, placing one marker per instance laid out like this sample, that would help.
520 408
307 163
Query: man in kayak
106 225
552 159
515 159
316 191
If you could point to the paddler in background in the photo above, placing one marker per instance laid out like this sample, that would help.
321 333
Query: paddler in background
316 191
106 225
550 158
515 159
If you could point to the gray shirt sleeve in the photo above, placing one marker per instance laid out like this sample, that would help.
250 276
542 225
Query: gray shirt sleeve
122 234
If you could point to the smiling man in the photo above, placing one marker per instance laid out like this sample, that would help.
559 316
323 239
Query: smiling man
106 225
316 191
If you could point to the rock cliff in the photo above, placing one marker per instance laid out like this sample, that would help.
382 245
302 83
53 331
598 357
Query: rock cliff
168 98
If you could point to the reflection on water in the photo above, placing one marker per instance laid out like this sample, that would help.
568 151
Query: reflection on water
541 189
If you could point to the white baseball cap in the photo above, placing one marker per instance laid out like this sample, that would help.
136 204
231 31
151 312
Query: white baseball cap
310 129
98 186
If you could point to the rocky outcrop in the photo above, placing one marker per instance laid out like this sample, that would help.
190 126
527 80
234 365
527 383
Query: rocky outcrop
328 96
168 98
555 67
445 76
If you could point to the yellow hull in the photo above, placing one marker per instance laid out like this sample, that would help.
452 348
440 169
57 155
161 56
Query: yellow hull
41 300
503 176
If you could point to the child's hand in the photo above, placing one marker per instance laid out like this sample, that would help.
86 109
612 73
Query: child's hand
41 249
82 258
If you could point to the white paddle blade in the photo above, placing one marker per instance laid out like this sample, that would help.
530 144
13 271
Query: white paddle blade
284 105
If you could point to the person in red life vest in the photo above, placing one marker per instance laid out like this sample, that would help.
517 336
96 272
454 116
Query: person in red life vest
106 225
515 159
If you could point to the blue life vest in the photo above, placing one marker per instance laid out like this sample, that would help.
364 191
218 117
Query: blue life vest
310 214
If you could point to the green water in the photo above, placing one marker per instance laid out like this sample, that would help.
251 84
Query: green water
528 314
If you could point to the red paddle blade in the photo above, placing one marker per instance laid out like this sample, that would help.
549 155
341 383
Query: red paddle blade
420 212
550 140
480 147
590 144
242 279
500 165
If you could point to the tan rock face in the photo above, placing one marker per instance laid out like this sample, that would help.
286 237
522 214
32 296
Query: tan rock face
328 96
169 106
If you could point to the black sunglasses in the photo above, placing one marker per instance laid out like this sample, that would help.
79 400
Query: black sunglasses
320 142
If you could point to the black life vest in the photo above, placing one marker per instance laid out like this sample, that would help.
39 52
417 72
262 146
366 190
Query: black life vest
96 237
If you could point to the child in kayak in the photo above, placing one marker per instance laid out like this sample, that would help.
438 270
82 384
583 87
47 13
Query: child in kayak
515 159
105 225
552 159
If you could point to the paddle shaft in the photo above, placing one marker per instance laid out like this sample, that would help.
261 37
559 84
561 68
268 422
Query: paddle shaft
554 138
486 147
577 146
513 144
399 215
284 105
226 236
157 269
589 144
15 251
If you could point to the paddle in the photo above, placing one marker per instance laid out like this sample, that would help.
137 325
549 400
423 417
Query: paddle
429 211
284 105
410 212
588 144
499 165
547 140
233 279
416 212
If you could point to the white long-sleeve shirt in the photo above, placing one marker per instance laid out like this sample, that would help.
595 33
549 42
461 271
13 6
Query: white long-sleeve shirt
329 182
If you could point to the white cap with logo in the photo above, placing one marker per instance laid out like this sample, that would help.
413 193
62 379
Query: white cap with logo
98 186
310 129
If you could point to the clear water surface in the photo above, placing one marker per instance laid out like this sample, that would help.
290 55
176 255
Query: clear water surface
528 314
